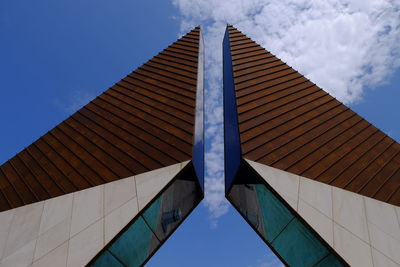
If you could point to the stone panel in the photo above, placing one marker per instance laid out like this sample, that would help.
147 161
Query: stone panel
362 230
77 225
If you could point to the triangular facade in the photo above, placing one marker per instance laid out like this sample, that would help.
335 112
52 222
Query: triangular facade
107 186
318 183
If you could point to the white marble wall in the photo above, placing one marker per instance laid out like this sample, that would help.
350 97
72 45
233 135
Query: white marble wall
364 231
71 229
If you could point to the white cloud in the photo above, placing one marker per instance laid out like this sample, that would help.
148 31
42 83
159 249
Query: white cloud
269 260
74 101
344 46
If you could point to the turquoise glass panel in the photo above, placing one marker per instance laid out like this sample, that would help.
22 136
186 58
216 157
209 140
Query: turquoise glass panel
274 214
107 260
330 261
134 246
298 246
152 214
293 240
144 235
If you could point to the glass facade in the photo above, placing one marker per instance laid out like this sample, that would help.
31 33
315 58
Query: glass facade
280 227
231 128
198 145
146 232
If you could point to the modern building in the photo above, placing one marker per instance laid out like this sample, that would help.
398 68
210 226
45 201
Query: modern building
318 183
107 186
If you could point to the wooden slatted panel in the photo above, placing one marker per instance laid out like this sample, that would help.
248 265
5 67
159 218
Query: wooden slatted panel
287 122
144 122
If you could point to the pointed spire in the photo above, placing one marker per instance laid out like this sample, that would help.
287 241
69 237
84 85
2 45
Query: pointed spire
287 122
144 122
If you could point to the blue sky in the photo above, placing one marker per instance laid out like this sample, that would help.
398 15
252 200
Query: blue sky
57 55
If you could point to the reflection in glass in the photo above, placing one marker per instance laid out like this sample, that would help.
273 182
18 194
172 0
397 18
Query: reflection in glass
169 218
146 232
290 237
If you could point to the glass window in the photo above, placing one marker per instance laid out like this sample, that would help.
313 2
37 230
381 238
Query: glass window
293 240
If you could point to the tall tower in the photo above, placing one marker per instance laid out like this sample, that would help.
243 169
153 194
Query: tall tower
107 186
318 183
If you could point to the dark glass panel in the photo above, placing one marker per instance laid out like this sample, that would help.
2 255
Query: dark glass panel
198 145
106 260
145 234
281 228
231 128
174 204
329 261
134 246
275 216
299 246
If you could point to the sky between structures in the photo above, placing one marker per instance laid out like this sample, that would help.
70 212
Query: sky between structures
345 47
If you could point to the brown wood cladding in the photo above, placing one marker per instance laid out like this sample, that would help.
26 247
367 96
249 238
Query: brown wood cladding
287 122
144 122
